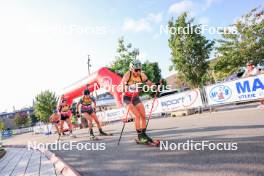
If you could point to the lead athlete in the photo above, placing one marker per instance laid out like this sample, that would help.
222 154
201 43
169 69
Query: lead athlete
130 82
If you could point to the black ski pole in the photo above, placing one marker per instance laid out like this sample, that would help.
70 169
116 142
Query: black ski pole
124 124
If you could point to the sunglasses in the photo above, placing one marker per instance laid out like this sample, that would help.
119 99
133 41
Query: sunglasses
137 70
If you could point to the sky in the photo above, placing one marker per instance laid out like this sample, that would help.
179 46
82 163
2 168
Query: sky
44 44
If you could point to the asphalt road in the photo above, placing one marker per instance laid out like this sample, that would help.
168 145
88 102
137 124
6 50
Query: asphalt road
244 127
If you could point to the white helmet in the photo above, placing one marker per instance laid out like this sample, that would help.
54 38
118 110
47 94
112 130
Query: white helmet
135 64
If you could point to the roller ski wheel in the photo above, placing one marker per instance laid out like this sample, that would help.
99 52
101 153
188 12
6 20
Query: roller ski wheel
94 138
102 133
155 143
72 136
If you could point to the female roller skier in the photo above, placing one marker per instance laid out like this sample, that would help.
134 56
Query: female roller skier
131 82
88 111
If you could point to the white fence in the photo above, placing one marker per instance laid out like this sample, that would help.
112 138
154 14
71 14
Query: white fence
42 129
22 130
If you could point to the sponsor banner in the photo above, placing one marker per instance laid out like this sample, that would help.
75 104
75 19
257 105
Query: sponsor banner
184 100
101 116
6 133
156 106
247 89
115 114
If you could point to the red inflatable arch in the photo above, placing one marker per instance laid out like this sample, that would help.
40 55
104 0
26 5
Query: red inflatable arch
101 78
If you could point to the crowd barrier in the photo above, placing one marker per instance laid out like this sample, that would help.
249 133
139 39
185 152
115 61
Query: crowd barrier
183 100
42 129
240 90
9 133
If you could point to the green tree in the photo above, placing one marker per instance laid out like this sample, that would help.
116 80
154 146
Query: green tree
152 70
190 50
244 43
21 119
2 125
45 103
125 55
17 120
33 118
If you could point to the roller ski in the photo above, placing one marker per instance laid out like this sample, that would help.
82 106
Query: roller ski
153 143
72 135
63 135
102 133
144 139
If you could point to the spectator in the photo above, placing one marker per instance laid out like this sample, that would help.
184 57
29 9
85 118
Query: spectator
252 71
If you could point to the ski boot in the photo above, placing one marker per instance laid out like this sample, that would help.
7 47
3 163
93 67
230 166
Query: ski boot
150 140
141 138
92 136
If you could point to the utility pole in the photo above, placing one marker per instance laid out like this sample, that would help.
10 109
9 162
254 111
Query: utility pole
89 72
89 64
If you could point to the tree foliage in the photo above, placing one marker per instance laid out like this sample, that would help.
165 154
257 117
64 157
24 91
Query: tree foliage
33 119
152 70
126 53
246 43
190 50
45 103
2 125
21 119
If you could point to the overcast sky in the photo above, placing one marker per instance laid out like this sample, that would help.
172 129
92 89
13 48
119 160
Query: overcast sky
44 44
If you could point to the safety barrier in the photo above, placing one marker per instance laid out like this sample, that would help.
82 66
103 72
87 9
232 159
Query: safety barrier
240 90
183 100
9 133
42 129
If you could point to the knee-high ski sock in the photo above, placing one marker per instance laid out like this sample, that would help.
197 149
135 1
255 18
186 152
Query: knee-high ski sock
91 132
